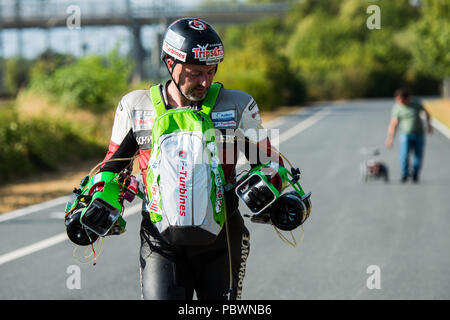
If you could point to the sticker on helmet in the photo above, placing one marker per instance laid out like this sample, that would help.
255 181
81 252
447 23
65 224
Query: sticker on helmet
174 39
197 25
180 55
211 56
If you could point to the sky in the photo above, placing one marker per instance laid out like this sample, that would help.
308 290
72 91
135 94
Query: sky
95 39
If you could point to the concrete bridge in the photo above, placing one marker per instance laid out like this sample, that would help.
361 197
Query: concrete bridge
54 13
133 14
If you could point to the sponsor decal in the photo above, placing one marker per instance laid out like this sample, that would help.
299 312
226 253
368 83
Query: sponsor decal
197 25
153 164
178 54
223 116
252 105
202 53
174 39
254 111
142 119
182 155
219 191
245 248
142 122
218 180
225 124
256 115
182 175
154 205
143 140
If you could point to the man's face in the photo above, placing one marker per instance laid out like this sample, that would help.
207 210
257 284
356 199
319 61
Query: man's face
194 80
403 100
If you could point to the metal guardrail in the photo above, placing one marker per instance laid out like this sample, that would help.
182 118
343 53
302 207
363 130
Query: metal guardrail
48 13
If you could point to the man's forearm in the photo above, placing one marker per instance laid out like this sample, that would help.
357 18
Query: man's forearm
126 149
392 129
391 132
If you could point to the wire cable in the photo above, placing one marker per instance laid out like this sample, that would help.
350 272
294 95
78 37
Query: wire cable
111 160
294 242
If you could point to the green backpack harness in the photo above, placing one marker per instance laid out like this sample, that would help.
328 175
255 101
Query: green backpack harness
185 180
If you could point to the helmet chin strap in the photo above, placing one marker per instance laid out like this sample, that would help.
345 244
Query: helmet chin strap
192 103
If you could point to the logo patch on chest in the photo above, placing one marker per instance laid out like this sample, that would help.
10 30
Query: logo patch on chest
225 119
142 119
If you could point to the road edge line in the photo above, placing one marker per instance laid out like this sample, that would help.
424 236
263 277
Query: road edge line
34 207
49 242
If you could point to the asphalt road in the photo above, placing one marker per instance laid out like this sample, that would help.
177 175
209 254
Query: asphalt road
363 240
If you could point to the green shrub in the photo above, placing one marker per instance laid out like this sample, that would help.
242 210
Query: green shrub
40 144
15 75
339 57
91 83
255 64
44 67
430 47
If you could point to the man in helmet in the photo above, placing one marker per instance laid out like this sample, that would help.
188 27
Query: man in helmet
191 51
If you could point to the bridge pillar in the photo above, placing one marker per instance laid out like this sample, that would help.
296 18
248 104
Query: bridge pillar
138 53
18 17
446 88
158 69
137 50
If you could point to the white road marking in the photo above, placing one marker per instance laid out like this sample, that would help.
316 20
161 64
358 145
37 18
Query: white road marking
303 125
36 207
282 119
19 253
440 127
58 215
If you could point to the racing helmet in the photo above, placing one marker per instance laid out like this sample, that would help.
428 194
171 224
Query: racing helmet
192 41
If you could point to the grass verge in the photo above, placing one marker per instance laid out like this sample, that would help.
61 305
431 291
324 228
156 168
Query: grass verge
439 109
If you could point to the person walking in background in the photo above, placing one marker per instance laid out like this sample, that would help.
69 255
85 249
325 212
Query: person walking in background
406 117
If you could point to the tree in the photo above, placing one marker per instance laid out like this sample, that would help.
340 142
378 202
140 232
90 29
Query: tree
431 47
254 63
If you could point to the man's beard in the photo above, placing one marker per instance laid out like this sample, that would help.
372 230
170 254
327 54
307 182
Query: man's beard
192 96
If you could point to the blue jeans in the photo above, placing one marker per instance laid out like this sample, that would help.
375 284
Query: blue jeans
415 143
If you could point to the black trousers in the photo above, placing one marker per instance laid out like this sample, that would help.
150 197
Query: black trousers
174 272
